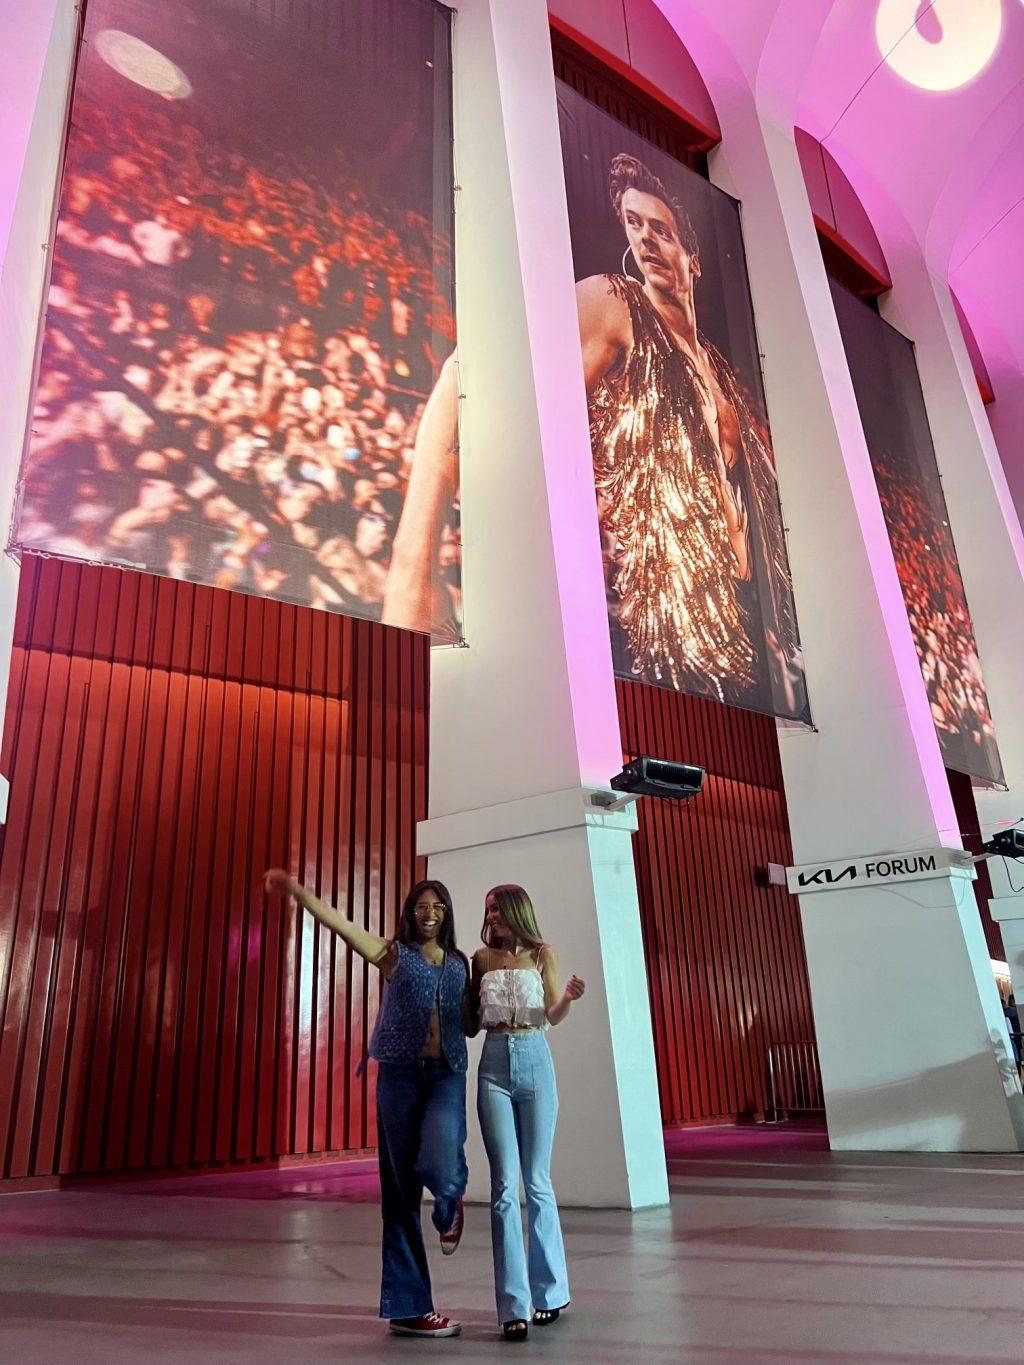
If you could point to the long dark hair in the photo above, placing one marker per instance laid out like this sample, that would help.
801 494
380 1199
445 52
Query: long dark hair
405 931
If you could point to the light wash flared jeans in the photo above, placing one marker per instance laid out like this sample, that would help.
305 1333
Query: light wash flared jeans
517 1103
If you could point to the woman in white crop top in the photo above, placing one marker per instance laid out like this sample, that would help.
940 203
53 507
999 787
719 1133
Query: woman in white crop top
516 994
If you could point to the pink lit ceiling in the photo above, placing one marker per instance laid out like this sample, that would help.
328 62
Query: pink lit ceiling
922 105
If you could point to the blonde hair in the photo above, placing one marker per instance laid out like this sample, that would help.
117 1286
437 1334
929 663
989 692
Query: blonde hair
516 909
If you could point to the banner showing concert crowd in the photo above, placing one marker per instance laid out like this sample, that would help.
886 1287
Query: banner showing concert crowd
892 410
700 597
251 300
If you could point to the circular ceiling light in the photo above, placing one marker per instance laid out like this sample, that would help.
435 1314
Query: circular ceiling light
940 46
144 65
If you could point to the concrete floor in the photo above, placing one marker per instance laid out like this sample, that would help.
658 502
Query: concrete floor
773 1250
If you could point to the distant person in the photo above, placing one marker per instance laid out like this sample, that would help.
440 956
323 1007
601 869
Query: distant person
158 242
1013 1026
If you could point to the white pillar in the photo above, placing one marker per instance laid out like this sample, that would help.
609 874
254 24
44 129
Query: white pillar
36 57
989 543
913 1052
524 719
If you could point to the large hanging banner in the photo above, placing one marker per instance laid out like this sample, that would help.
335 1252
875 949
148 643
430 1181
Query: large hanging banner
251 299
700 597
884 372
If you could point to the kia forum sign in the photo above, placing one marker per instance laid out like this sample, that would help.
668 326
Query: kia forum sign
883 869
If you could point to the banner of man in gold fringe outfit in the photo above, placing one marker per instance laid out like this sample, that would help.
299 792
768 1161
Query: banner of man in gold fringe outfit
699 588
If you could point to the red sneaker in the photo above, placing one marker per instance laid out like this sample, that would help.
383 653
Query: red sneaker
430 1325
452 1235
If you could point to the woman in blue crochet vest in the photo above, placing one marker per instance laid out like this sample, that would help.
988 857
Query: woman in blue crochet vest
420 1045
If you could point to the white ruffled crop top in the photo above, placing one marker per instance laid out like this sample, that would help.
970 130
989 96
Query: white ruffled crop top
512 997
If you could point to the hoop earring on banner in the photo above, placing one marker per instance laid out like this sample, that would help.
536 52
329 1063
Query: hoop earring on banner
625 268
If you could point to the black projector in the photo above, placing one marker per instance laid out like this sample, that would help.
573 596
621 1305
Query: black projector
1008 843
659 777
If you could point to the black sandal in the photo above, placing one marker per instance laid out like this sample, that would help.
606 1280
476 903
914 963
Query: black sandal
543 1317
516 1330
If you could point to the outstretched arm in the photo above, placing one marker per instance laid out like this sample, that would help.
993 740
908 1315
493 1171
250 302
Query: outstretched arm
370 946
413 598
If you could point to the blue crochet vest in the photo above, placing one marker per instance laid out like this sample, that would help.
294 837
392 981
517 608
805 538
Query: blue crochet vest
409 998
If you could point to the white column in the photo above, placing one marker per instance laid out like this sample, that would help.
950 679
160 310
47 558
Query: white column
989 543
36 57
524 719
913 1052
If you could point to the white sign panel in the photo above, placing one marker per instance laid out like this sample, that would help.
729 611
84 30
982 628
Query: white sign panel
883 869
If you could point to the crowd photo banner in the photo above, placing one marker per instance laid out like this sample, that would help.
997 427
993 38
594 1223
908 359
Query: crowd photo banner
251 301
700 597
883 368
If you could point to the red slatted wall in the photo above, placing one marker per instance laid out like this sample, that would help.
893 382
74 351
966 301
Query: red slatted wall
725 957
165 743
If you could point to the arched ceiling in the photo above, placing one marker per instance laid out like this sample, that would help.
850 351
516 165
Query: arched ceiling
945 166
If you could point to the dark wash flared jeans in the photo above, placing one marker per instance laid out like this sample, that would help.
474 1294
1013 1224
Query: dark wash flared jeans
421 1136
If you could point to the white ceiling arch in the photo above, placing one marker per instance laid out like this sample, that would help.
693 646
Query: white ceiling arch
945 167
